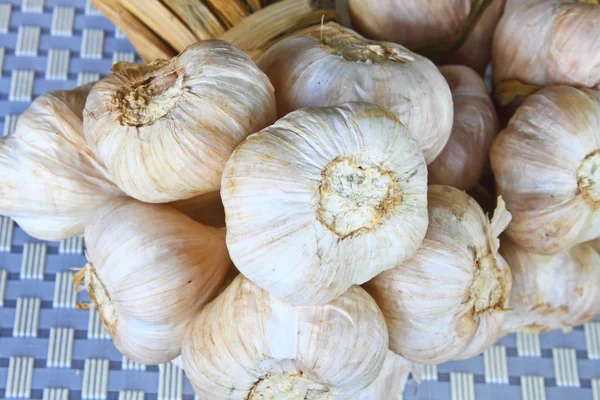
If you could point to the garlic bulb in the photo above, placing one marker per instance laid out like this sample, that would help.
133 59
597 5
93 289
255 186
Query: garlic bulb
248 344
448 301
552 291
323 199
546 166
329 65
150 271
51 181
164 130
464 159
548 42
433 27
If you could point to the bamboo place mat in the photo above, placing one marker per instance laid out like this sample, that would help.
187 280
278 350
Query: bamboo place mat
49 350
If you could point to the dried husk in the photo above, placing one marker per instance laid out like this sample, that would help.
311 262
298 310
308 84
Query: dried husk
549 292
198 17
329 65
248 344
545 165
447 31
323 199
144 122
150 270
51 181
448 301
465 157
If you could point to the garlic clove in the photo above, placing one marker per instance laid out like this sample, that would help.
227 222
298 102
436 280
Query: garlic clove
144 122
51 182
548 42
329 65
433 26
545 166
323 199
448 300
150 270
556 291
465 157
248 344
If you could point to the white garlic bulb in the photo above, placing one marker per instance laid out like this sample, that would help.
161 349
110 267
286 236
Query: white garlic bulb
164 130
548 42
323 199
247 344
465 157
150 271
329 65
546 165
51 181
448 301
433 27
549 292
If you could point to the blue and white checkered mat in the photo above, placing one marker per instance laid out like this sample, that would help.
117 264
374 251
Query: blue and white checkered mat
50 350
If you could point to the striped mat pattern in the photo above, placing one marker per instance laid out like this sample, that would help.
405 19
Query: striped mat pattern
49 350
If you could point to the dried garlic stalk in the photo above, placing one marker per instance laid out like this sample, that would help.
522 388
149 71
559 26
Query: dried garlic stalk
198 17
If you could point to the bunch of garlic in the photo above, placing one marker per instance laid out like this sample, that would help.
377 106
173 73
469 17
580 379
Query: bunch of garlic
150 270
552 291
546 164
165 130
324 199
248 344
465 157
544 43
329 65
51 181
450 31
448 301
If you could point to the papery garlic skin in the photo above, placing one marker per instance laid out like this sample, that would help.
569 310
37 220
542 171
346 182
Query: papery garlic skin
151 269
164 130
548 42
448 301
247 344
390 383
549 292
546 164
51 182
331 65
465 157
323 199
418 24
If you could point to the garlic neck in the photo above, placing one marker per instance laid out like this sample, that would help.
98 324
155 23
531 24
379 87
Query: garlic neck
150 99
355 196
488 286
596 2
588 178
355 48
285 386
100 297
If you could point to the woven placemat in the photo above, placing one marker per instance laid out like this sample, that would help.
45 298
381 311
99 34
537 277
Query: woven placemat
50 350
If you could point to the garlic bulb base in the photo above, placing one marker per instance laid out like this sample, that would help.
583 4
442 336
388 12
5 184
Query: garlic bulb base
99 296
354 47
588 178
488 291
288 387
150 99
356 196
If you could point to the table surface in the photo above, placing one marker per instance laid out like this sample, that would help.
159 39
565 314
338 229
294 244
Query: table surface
50 350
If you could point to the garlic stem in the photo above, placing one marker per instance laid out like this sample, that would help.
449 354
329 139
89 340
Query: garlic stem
198 17
355 48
